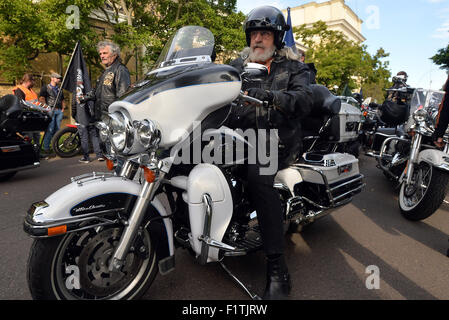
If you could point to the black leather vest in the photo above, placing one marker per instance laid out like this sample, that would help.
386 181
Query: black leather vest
51 97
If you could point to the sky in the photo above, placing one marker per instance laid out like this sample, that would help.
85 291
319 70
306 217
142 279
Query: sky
412 31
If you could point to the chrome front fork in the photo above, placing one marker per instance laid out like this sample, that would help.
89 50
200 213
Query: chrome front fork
414 154
135 219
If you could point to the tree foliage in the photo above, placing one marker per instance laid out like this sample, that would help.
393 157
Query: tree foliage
28 28
442 58
342 62
140 27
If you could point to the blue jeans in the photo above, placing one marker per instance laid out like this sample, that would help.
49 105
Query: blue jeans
86 132
53 127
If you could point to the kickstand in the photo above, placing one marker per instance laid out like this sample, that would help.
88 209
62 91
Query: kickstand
241 284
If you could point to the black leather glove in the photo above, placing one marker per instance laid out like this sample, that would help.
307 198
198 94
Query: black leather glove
373 106
90 96
261 94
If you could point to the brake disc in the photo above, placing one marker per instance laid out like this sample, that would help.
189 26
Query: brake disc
94 259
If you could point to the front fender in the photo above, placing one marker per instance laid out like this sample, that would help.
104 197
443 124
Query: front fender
92 197
436 158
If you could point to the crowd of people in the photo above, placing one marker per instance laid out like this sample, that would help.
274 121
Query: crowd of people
113 82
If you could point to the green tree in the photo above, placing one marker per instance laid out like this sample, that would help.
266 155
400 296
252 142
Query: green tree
28 28
218 16
442 58
342 62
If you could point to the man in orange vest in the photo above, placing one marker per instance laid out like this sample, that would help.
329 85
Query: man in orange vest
24 91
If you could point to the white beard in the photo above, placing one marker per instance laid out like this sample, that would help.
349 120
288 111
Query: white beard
261 57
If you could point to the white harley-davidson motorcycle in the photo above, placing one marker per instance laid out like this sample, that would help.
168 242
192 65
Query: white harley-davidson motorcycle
107 235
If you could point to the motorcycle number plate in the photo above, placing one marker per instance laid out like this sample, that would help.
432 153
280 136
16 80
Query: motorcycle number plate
10 149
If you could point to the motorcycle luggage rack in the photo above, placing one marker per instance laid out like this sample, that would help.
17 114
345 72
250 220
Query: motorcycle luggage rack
91 176
335 198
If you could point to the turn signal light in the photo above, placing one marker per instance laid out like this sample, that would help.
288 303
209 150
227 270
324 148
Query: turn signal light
149 174
110 164
57 230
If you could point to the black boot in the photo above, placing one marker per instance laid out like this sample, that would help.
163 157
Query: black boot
278 279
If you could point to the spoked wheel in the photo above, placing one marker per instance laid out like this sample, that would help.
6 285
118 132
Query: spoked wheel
425 194
66 142
76 266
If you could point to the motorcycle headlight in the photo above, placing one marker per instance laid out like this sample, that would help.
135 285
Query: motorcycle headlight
420 115
147 133
121 132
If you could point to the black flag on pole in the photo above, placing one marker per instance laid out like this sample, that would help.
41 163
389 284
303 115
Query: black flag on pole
77 81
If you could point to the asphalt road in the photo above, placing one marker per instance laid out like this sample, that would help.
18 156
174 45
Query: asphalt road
328 261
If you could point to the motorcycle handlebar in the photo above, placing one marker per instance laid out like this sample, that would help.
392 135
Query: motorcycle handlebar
252 100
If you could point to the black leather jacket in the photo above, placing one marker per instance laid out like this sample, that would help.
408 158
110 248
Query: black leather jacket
289 82
112 84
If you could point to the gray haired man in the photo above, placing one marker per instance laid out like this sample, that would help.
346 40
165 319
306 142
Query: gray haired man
114 81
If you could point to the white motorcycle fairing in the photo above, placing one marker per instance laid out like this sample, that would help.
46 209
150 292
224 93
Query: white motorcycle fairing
175 101
206 179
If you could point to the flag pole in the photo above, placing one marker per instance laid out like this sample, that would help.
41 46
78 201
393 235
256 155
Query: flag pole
65 76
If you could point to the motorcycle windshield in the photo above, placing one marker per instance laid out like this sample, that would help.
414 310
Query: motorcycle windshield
188 45
428 99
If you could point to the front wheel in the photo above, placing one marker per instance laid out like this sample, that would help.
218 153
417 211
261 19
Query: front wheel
66 142
426 193
76 266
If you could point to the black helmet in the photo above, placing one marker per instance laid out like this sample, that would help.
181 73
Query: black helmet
402 75
266 18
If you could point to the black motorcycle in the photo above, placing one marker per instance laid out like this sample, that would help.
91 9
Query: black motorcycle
17 153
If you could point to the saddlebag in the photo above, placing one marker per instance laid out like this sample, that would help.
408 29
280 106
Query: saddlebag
17 155
26 121
344 127
335 167
329 180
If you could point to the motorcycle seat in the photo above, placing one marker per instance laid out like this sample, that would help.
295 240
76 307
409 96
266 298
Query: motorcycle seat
325 105
392 131
324 102
7 102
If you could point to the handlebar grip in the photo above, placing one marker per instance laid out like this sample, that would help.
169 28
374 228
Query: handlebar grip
253 100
